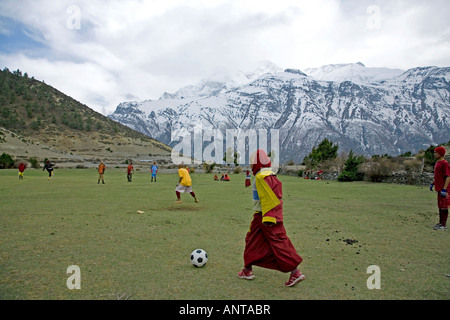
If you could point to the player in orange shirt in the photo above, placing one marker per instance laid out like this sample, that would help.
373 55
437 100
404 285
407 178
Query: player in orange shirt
101 172
130 170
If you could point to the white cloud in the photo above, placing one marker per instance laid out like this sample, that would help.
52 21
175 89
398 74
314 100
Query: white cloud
144 48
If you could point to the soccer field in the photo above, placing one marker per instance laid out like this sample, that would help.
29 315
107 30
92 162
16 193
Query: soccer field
340 229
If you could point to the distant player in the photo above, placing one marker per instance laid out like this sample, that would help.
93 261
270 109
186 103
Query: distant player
441 185
101 172
184 183
49 167
130 170
266 243
248 178
154 171
22 168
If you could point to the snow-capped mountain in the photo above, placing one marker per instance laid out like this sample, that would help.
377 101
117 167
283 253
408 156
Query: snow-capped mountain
221 82
355 72
373 113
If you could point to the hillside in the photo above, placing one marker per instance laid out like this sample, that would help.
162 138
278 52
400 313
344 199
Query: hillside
36 120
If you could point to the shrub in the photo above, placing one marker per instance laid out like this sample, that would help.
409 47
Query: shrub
379 169
208 167
351 172
413 165
347 176
34 162
6 161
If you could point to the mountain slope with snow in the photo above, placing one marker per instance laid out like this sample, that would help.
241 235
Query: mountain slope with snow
376 114
354 72
221 82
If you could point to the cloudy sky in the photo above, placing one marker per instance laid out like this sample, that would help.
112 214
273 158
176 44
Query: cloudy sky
103 52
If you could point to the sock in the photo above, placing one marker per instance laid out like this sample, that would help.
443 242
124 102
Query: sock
193 194
178 195
443 215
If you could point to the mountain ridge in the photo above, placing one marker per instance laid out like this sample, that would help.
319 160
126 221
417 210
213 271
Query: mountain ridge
407 112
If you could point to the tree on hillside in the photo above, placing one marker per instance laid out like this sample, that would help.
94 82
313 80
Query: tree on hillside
351 172
326 150
6 161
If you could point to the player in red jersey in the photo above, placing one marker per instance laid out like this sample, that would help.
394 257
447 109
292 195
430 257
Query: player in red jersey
267 244
441 186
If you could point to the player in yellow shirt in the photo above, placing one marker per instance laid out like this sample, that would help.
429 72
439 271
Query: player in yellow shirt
184 184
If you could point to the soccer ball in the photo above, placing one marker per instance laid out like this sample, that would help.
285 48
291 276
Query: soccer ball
199 258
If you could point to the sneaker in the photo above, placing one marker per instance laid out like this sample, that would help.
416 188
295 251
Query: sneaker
294 279
246 274
440 227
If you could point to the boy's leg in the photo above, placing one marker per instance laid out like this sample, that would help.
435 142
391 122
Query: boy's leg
443 215
443 211
194 196
285 255
257 250
178 196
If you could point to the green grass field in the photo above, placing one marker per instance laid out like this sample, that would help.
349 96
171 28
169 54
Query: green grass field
46 226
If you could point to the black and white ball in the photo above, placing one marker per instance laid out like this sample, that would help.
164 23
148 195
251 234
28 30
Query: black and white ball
199 258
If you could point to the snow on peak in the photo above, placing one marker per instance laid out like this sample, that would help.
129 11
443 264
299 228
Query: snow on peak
415 75
224 81
355 72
